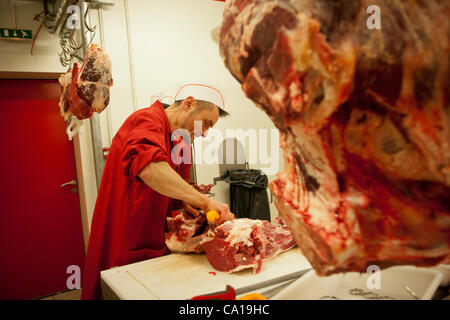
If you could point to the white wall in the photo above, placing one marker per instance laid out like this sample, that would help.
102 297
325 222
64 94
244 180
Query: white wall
171 44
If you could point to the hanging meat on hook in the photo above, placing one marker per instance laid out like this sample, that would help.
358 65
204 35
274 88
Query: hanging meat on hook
364 120
86 89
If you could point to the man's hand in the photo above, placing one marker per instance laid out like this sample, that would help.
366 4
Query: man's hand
222 208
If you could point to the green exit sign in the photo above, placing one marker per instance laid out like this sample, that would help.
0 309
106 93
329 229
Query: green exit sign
15 33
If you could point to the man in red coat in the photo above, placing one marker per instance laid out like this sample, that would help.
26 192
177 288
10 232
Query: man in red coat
141 184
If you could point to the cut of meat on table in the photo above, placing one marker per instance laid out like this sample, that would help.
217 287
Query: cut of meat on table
244 243
364 120
184 232
235 245
86 90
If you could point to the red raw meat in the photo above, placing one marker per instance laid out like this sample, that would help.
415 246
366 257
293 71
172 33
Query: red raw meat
364 120
235 245
184 232
244 243
87 90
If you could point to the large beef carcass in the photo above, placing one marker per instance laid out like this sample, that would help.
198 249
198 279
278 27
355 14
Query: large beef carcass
86 90
234 245
364 122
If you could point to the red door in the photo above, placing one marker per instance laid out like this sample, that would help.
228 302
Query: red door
40 222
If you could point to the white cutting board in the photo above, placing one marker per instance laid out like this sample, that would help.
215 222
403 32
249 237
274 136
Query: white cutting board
183 276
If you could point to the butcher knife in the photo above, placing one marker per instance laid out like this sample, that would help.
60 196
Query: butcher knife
271 282
231 293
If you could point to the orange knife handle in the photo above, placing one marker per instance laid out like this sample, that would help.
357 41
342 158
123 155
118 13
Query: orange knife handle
228 294
212 216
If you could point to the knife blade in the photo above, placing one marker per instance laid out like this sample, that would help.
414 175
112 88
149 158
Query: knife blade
266 283
271 282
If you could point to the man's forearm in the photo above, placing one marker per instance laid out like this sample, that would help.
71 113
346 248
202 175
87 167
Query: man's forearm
163 179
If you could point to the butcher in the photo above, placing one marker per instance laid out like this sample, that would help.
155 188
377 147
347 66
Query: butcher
144 181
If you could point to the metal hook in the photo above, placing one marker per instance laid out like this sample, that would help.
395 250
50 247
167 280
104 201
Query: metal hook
92 38
74 46
91 29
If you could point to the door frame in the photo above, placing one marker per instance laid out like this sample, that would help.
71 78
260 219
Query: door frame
84 158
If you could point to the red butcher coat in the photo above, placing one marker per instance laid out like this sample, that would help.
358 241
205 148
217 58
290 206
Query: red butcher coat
129 217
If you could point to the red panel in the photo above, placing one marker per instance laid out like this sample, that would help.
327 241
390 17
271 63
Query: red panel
40 222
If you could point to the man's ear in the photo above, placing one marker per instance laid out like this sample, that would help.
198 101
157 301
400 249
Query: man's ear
188 103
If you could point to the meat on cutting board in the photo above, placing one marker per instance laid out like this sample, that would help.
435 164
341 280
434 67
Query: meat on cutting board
244 243
364 120
86 90
235 245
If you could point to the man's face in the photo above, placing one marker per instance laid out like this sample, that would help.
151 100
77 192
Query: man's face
207 117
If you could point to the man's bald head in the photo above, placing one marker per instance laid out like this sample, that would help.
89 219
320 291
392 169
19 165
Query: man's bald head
202 105
188 113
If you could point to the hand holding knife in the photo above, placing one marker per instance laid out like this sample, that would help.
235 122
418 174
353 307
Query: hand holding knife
213 216
217 213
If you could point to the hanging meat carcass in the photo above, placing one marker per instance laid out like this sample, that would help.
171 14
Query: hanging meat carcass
364 120
86 90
